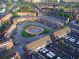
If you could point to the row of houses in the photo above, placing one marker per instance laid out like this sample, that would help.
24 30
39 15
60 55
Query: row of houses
42 1
47 39
26 13
22 19
6 44
2 7
43 41
16 21
32 46
5 18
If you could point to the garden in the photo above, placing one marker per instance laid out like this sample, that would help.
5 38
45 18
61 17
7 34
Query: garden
33 30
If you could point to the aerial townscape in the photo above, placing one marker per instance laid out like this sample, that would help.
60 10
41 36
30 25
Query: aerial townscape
39 29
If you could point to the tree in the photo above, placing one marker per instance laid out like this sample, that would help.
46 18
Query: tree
10 1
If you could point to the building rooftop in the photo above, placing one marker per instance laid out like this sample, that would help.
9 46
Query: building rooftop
62 31
39 42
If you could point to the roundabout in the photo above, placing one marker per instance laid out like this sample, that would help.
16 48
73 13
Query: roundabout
35 30
27 31
32 30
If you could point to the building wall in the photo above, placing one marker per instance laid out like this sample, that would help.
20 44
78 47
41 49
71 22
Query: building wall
22 19
26 13
71 0
15 22
35 1
9 30
67 10
2 7
17 56
39 43
77 16
62 32
5 18
7 45
42 1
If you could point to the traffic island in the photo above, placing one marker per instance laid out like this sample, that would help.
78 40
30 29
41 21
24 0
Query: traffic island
33 30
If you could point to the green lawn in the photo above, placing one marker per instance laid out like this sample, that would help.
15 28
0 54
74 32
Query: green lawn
45 31
26 34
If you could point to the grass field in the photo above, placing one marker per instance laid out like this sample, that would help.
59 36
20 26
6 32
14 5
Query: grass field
26 34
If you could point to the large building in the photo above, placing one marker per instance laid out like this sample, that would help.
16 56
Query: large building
37 44
2 7
71 0
62 32
6 48
36 1
43 1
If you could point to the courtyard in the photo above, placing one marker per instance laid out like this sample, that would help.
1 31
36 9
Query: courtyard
19 34
34 30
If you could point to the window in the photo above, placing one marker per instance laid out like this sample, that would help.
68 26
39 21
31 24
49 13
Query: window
48 41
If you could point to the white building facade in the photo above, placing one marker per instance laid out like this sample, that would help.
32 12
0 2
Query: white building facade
42 1
2 7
